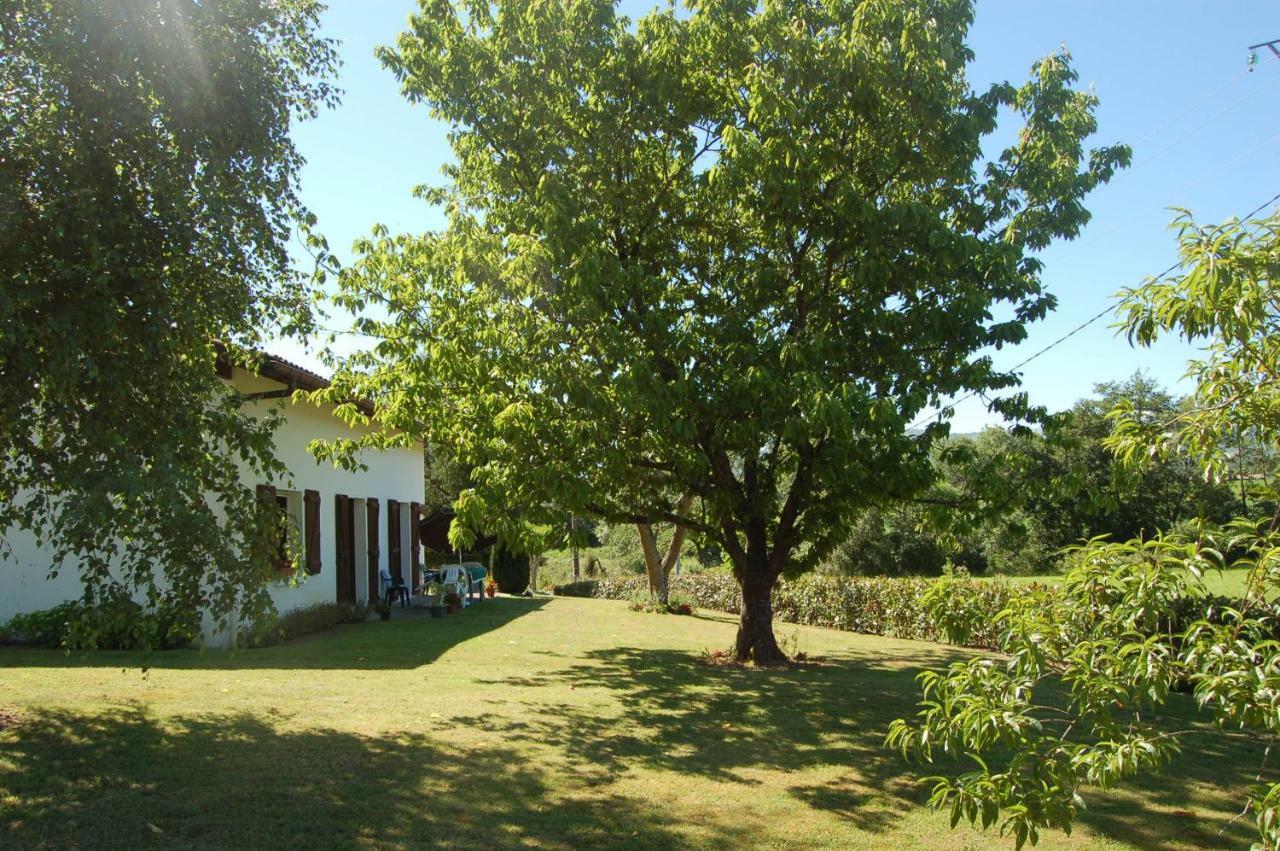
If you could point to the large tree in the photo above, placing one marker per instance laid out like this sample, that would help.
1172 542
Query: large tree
729 251
147 196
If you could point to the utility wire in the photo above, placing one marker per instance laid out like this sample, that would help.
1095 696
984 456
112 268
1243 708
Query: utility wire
1076 330
1221 111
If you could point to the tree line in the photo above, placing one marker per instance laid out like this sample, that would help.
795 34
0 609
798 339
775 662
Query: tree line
1055 488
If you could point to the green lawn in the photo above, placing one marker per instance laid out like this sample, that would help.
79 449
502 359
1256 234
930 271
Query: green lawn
1229 583
561 723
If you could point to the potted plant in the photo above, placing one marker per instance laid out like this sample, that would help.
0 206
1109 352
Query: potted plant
490 587
433 593
384 609
452 601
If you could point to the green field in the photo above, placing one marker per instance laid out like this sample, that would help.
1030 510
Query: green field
553 723
1229 583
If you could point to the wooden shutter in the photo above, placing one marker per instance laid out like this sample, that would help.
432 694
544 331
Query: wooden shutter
393 540
415 556
375 580
311 533
344 541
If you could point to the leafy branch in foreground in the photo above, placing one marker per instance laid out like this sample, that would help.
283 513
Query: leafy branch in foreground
1089 664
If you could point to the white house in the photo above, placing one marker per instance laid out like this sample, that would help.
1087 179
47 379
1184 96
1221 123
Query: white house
353 524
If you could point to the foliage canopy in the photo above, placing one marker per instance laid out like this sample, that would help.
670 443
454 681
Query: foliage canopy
729 252
147 193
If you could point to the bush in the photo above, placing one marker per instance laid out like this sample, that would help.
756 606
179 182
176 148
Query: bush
888 606
872 605
46 628
299 622
510 571
646 601
585 588
116 624
900 541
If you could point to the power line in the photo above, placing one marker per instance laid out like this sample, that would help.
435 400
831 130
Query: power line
1076 330
1180 118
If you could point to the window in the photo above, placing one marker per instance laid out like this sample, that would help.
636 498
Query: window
290 504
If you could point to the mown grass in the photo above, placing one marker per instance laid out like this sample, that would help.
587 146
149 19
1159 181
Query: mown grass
562 723
1228 583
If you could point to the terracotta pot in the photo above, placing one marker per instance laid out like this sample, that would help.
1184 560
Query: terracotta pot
489 592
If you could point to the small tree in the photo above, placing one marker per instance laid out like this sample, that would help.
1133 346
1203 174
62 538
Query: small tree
1110 635
728 253
510 570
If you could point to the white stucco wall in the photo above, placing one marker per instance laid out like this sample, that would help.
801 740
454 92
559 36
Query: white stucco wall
394 474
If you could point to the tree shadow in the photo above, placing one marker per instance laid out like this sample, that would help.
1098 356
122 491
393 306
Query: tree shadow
404 642
685 716
106 781
726 723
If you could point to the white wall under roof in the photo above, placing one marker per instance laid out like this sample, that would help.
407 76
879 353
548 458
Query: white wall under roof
395 474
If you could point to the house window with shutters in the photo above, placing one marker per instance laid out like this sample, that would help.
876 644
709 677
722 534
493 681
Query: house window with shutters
290 505
301 530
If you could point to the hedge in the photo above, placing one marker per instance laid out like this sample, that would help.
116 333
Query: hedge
874 605
296 623
888 606
117 624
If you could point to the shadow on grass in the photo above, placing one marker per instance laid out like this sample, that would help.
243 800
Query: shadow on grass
683 716
404 642
121 779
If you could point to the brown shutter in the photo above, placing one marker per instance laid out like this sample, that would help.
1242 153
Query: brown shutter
375 579
341 504
415 555
311 504
393 540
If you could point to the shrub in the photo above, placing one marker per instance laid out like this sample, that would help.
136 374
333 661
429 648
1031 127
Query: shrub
892 606
679 604
299 622
646 601
116 624
585 588
897 541
510 571
873 605
45 628
641 599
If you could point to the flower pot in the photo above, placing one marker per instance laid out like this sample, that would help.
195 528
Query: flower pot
437 611
385 614
489 592
452 609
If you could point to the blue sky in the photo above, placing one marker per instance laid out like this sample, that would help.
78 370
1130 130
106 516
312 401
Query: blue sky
1172 81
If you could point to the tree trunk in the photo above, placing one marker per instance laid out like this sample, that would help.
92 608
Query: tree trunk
756 642
652 561
657 567
534 563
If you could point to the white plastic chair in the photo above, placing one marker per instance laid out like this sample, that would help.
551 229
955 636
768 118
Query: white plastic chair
454 577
